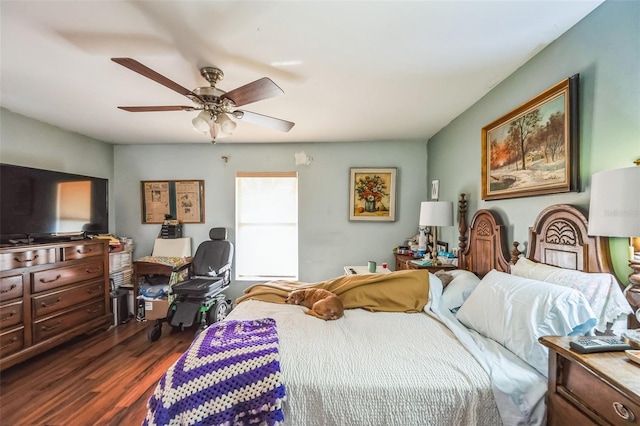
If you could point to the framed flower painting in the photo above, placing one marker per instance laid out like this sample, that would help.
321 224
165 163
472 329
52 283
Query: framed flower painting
372 194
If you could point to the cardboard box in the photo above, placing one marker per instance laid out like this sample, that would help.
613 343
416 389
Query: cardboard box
154 309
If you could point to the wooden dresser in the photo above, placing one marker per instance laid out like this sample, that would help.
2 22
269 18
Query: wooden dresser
403 261
591 389
50 293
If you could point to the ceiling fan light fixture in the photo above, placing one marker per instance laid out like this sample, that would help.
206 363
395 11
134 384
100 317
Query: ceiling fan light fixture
216 132
201 122
227 125
216 106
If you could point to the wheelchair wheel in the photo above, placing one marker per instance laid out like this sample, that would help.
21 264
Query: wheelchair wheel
217 312
154 332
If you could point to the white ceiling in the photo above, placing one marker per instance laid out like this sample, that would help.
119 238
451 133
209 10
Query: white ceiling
350 70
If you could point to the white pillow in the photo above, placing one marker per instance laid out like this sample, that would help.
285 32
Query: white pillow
601 290
460 287
516 312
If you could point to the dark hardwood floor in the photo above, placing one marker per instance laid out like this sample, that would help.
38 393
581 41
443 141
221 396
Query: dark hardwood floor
102 379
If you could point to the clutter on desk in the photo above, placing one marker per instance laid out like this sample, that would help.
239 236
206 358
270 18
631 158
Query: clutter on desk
403 250
422 262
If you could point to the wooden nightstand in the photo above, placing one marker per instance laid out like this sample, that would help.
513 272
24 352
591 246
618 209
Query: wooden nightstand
588 389
403 261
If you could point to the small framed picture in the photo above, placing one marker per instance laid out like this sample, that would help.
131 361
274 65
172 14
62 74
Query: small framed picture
435 189
442 246
372 194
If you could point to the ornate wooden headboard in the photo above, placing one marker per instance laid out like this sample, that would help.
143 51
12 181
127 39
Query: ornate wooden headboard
483 244
559 237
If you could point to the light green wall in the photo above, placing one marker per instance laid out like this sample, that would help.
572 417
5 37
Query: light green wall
604 48
31 143
327 239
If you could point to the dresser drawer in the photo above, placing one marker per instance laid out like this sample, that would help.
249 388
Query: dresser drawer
591 391
50 303
10 287
54 278
10 314
11 341
46 328
82 251
562 413
27 258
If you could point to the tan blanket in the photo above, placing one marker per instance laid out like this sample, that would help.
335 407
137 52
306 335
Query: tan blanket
400 291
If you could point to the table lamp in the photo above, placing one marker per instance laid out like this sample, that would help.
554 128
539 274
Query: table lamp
434 214
614 211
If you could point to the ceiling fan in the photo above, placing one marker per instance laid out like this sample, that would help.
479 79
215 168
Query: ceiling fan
215 105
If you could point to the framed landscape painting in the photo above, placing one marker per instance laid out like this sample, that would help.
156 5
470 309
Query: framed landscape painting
533 150
372 194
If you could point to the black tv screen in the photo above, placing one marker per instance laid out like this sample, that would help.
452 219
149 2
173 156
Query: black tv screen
40 204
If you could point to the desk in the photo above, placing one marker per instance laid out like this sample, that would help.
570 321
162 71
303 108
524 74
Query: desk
150 265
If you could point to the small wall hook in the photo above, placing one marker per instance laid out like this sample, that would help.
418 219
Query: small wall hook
225 158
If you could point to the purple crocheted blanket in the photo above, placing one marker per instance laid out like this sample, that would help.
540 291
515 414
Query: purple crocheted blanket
229 376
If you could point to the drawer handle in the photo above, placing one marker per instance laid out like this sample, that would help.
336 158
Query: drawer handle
94 290
92 271
8 316
51 327
17 259
14 340
42 280
84 251
9 289
623 412
46 305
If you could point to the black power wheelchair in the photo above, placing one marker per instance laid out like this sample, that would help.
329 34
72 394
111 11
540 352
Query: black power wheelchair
199 298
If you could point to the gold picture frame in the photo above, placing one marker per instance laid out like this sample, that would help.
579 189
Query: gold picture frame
182 199
533 150
372 194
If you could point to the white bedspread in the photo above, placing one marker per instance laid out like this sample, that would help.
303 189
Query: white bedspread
519 389
375 369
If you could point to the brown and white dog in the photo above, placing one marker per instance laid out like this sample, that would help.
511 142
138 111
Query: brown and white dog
322 304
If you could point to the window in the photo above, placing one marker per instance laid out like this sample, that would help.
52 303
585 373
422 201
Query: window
266 226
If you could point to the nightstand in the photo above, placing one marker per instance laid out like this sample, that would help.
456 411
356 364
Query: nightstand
589 389
403 261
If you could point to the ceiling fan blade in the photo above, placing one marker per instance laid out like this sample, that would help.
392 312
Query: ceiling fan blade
157 108
258 90
141 69
263 120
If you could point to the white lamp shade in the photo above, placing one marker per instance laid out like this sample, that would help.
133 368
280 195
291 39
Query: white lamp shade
226 124
201 122
614 209
436 213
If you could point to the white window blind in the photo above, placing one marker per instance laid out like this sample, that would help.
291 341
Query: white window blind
266 226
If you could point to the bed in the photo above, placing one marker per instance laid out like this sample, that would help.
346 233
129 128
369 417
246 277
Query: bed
422 365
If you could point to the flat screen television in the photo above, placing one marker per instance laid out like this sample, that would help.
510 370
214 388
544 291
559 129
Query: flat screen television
42 205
